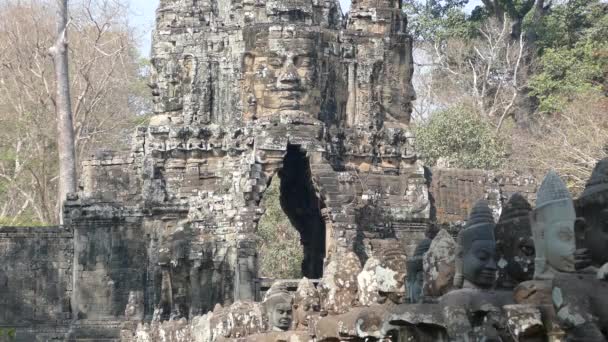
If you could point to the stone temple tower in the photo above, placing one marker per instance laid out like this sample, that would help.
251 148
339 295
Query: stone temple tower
244 91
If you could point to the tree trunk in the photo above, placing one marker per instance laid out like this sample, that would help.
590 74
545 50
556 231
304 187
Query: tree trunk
63 107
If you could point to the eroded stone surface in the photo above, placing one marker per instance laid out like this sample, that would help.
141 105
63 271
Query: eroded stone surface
438 265
339 286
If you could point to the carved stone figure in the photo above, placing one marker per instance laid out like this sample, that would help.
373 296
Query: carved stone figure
514 243
553 228
552 223
438 264
391 274
278 305
477 255
580 298
415 274
338 288
476 258
306 303
135 307
592 206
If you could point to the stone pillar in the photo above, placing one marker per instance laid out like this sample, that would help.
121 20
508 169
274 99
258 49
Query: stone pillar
351 105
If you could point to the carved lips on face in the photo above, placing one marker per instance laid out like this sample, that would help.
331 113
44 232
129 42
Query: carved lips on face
479 263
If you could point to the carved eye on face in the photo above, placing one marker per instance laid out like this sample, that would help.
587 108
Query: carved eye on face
275 62
301 61
483 255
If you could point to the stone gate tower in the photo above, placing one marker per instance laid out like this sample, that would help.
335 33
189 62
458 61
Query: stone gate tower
244 91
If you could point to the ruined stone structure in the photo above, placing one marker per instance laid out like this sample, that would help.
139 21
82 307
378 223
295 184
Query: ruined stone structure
246 91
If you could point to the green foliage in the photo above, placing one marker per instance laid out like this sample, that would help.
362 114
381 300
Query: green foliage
461 138
23 220
7 334
437 21
280 251
573 22
573 39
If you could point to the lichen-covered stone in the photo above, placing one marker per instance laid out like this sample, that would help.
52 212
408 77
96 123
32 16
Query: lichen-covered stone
367 281
438 264
338 288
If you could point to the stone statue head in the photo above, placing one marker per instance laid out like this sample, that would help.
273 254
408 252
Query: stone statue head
280 71
306 301
514 243
477 248
391 273
553 227
592 205
278 304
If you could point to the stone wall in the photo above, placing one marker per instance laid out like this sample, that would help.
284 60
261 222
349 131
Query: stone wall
455 191
35 275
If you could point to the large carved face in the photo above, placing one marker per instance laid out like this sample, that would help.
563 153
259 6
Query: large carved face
479 263
280 316
281 73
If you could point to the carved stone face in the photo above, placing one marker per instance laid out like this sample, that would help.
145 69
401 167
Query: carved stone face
516 247
282 76
596 233
520 258
559 238
479 263
280 316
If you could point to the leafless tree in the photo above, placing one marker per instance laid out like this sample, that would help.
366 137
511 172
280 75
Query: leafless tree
487 72
570 142
63 108
104 79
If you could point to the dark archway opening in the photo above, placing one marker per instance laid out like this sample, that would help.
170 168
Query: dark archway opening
303 208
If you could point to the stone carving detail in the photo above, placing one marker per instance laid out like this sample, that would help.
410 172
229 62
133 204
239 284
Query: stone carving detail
515 246
278 304
306 303
438 265
476 251
415 271
592 207
476 265
135 307
553 228
338 288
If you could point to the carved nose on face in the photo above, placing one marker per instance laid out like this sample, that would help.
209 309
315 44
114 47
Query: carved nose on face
491 265
289 76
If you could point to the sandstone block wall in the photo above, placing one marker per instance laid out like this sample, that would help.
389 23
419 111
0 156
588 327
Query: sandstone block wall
35 275
455 191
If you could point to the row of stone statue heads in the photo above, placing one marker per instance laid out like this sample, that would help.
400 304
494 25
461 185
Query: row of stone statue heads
539 274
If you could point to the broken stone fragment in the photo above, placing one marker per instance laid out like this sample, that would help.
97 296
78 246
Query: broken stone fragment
438 264
368 282
338 288
524 321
